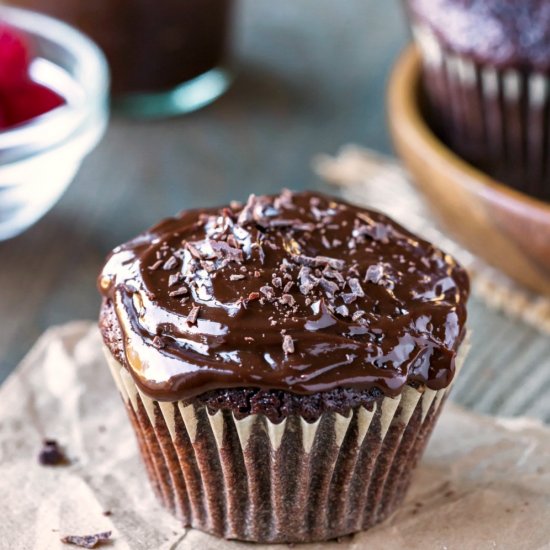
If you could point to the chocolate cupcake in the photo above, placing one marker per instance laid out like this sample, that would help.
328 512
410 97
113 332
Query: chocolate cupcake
487 84
282 362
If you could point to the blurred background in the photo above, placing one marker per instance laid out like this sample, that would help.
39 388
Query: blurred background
310 76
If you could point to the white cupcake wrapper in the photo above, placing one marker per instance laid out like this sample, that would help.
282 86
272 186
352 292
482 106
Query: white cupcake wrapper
251 479
499 116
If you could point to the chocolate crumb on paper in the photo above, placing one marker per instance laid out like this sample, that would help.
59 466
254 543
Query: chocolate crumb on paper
87 541
52 454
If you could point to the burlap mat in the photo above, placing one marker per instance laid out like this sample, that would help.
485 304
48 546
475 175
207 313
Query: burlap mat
368 178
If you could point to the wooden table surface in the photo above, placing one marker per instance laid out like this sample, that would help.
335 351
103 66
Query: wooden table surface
311 76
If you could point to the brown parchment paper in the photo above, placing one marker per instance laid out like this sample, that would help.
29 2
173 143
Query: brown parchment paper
483 483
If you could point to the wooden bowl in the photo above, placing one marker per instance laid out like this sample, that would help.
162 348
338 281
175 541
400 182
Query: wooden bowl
509 229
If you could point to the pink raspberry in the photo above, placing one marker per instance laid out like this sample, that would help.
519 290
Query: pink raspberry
14 58
27 101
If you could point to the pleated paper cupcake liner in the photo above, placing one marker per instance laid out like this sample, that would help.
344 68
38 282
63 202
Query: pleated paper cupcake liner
497 119
295 481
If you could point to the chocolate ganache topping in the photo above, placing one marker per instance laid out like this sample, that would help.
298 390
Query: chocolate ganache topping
295 292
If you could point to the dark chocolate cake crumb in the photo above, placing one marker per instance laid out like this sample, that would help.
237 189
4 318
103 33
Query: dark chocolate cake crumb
278 404
52 454
87 541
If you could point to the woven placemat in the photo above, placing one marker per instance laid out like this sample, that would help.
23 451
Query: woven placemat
508 370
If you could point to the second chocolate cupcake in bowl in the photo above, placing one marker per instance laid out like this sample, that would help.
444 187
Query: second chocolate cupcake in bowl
283 362
487 83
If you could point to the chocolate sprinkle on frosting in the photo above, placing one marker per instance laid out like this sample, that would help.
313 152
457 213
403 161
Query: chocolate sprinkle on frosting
288 344
383 309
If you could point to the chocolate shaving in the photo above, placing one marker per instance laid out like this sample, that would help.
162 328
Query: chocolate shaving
376 231
194 251
193 315
52 454
306 227
209 267
318 261
232 241
268 292
156 265
174 279
261 253
303 260
355 287
171 263
295 224
284 200
342 310
357 315
288 286
288 344
329 287
374 273
223 250
287 299
247 213
349 298
178 292
87 541
333 274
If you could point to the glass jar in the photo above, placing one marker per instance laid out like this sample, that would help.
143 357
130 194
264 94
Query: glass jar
166 57
39 158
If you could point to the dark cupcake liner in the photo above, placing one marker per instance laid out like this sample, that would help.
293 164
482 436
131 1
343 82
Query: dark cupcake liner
254 480
497 119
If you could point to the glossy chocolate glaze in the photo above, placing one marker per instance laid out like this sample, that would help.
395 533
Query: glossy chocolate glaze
296 292
502 33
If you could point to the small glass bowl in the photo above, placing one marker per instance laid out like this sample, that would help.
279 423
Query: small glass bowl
39 158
